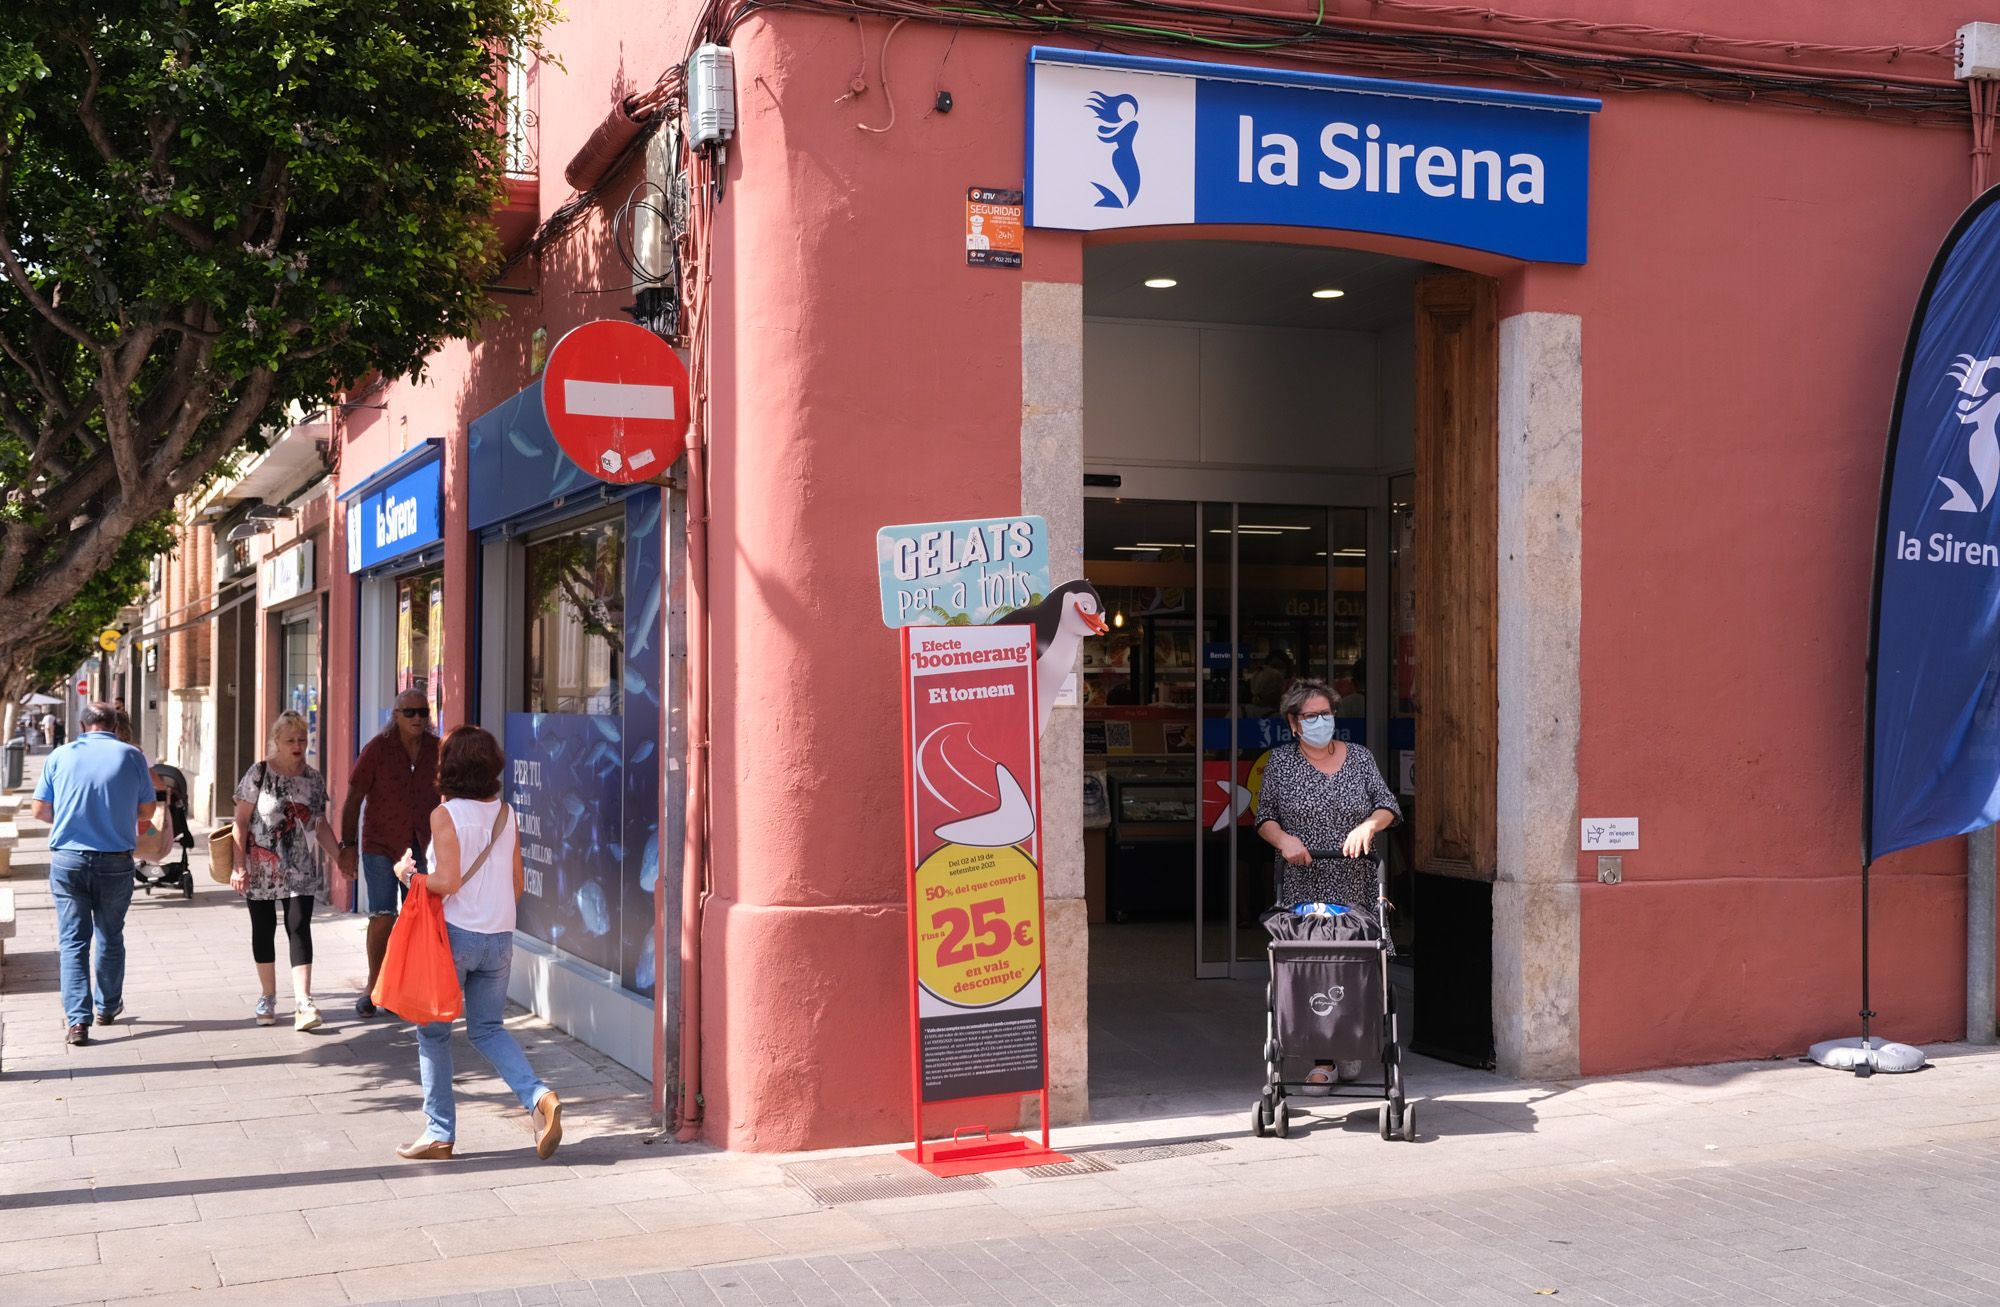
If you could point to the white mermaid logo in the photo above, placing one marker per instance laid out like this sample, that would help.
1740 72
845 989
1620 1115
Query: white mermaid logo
1978 406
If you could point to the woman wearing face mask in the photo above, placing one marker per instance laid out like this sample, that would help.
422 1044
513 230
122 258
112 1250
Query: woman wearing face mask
1322 793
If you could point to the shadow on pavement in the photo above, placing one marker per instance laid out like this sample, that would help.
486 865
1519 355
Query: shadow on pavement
484 1163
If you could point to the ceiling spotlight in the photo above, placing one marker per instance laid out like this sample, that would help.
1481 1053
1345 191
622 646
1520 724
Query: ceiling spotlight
1329 293
245 530
1118 617
1161 283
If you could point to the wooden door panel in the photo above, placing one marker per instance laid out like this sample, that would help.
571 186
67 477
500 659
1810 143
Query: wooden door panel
1457 573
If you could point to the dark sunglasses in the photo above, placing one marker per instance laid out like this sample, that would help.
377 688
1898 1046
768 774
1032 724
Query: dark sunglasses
414 712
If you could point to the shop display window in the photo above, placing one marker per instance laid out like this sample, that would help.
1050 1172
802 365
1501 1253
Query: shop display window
420 638
576 621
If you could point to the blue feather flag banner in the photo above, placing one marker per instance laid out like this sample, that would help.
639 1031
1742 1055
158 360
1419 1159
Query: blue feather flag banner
1932 765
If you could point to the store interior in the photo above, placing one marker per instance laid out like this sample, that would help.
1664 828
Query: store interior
1248 521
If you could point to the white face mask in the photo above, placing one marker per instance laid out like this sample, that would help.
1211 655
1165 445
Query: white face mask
1317 730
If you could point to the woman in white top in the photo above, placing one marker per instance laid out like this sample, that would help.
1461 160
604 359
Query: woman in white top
479 916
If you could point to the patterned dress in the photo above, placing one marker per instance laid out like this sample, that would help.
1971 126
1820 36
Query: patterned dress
282 860
1320 811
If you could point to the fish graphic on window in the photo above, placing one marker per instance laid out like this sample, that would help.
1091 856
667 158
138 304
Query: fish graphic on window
1118 127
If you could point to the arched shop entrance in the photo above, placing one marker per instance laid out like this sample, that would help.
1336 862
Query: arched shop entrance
1288 473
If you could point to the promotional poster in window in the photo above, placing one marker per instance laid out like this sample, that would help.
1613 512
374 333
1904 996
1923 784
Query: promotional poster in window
585 781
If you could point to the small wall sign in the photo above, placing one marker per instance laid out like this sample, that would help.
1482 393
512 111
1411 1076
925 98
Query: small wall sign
1610 833
992 227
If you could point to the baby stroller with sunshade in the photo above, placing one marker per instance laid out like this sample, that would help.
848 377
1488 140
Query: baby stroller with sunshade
173 792
1330 1001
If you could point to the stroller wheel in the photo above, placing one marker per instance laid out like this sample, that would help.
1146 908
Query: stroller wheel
187 885
1258 1120
1281 1124
1409 1123
1383 1125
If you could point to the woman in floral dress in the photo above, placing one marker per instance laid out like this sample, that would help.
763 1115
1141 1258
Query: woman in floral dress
280 813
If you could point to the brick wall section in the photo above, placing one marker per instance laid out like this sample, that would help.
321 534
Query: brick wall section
190 577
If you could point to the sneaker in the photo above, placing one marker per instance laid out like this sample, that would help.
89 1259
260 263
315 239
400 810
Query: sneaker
307 1017
267 1010
363 1007
1319 1081
77 1035
1349 1071
107 1015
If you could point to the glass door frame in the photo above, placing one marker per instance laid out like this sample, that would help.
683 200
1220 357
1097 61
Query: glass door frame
1368 493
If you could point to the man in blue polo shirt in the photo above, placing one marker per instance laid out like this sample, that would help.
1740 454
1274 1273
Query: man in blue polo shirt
96 792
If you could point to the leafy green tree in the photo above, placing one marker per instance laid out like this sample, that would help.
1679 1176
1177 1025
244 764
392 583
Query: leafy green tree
70 634
210 209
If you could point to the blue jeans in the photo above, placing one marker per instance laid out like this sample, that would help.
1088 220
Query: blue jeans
92 892
483 963
378 876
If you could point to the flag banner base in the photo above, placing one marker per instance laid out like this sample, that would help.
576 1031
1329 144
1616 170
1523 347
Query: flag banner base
1866 1056
1001 1152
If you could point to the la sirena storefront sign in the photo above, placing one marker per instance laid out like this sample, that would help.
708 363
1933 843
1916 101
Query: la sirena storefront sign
1123 141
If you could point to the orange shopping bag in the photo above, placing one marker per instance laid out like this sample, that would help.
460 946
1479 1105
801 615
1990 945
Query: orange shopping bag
419 980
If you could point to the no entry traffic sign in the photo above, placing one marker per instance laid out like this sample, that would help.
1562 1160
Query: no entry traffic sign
616 397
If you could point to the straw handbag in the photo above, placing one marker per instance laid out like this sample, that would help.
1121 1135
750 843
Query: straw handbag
222 853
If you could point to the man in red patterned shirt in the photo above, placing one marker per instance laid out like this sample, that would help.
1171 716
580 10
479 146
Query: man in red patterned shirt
396 776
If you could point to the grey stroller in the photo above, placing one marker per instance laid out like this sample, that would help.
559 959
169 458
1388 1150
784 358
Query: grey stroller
176 875
1330 1001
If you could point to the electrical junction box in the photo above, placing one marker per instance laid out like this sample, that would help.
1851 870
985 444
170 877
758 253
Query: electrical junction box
711 96
654 222
1978 51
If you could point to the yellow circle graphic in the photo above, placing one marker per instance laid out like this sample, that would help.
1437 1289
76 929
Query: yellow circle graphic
979 924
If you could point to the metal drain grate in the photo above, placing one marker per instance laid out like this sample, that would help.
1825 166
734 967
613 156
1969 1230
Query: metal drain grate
1078 1164
1126 1154
879 1175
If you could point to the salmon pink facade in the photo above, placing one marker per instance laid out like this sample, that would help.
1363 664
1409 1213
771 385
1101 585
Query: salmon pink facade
1673 486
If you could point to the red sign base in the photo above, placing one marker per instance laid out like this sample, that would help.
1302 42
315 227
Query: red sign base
1001 1152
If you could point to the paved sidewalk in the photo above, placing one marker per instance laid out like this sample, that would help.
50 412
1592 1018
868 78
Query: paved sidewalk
190 1156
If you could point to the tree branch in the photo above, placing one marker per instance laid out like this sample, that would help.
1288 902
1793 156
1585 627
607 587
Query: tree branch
248 406
52 394
19 276
86 108
55 436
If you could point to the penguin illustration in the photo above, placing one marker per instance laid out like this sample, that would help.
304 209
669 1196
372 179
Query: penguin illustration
1061 620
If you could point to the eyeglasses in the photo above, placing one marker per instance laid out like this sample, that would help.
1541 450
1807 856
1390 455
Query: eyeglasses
1316 717
414 712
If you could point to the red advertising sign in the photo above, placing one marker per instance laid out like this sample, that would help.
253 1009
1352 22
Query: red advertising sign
616 397
972 827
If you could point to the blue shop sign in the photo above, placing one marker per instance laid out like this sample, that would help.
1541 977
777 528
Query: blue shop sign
514 465
1122 141
387 518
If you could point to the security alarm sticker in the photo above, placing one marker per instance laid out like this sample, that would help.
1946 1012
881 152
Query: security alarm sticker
993 227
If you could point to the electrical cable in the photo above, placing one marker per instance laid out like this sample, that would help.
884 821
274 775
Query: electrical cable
937 82
882 68
857 84
1931 100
